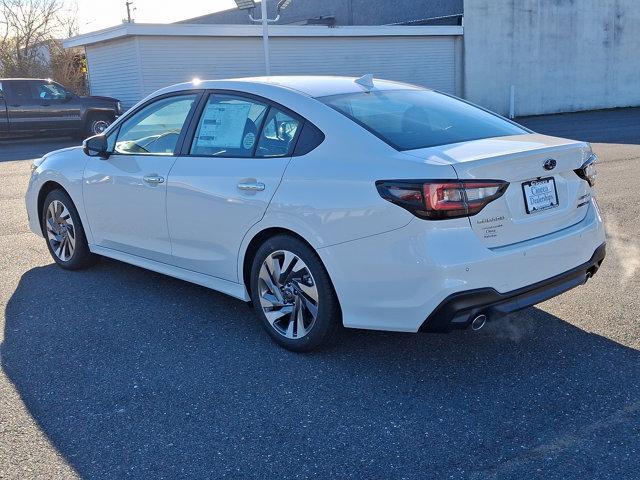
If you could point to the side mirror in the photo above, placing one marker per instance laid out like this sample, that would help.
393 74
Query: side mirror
96 146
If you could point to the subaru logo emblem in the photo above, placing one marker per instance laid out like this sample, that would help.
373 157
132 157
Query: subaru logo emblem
549 164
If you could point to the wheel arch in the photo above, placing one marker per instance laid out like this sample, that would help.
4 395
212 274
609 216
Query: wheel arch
254 244
99 111
96 112
259 238
46 188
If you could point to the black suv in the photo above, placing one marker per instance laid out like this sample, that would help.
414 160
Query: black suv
30 106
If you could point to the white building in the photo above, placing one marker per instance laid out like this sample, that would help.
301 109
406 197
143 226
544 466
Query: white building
525 56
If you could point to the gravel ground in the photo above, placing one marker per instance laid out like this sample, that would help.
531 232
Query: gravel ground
116 372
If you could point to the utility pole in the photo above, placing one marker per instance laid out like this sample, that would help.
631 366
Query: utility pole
128 3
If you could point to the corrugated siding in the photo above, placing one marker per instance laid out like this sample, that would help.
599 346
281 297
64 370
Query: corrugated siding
428 60
169 60
113 70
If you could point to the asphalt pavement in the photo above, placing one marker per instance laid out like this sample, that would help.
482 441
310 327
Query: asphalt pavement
29 148
117 372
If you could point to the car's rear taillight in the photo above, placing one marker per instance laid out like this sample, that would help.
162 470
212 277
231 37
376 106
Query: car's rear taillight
440 199
588 170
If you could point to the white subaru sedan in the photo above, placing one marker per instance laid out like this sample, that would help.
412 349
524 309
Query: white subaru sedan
327 201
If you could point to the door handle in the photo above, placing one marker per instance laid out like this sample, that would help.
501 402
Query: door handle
251 186
153 179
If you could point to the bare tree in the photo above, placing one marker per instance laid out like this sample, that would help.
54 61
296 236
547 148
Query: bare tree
30 44
27 28
68 66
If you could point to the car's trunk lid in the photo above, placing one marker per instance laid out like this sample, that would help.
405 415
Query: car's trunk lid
519 159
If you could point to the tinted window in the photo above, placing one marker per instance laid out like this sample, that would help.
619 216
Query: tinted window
156 128
229 126
49 91
310 137
276 139
410 119
20 91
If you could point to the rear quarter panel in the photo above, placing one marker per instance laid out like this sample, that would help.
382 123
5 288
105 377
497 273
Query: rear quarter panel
329 195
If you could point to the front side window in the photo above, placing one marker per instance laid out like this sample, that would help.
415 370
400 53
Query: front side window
154 129
49 91
412 119
229 126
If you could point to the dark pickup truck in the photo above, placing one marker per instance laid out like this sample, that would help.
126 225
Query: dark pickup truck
29 106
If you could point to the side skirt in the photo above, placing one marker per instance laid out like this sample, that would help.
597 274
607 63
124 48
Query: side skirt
233 289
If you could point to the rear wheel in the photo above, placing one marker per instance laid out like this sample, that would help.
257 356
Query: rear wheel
293 295
64 233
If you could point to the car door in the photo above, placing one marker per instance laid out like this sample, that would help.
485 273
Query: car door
59 108
223 182
125 195
23 108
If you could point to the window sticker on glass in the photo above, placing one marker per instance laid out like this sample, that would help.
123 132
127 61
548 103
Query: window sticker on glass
223 125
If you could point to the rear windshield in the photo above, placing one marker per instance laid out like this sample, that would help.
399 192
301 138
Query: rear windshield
411 119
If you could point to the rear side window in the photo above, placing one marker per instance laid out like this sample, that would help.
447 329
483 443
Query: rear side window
278 133
229 126
21 91
411 119
310 137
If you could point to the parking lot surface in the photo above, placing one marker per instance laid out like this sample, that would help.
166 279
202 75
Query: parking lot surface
117 372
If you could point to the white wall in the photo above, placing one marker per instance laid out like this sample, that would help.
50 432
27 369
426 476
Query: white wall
114 71
561 55
133 67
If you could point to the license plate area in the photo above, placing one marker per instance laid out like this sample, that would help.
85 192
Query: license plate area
540 194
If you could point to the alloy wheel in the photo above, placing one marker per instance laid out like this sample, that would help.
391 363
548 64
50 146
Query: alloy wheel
61 232
288 294
99 126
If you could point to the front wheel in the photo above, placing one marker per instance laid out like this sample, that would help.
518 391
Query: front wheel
64 233
97 124
293 295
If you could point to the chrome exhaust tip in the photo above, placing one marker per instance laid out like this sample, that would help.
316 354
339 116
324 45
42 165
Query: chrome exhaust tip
478 322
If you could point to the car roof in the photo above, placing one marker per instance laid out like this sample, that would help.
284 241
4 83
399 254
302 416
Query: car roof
311 85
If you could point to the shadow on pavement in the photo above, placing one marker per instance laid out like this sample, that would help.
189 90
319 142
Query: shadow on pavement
30 148
620 125
133 374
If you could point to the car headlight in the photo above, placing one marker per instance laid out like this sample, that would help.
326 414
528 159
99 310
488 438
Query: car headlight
588 170
36 163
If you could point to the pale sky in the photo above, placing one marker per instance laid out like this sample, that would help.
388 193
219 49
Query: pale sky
96 15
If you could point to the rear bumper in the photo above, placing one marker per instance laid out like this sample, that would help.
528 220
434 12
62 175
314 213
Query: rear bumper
394 281
458 309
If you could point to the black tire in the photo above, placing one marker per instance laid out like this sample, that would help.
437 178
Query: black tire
323 329
97 123
81 256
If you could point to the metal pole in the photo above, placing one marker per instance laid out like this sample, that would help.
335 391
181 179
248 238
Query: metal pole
128 4
265 36
512 102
